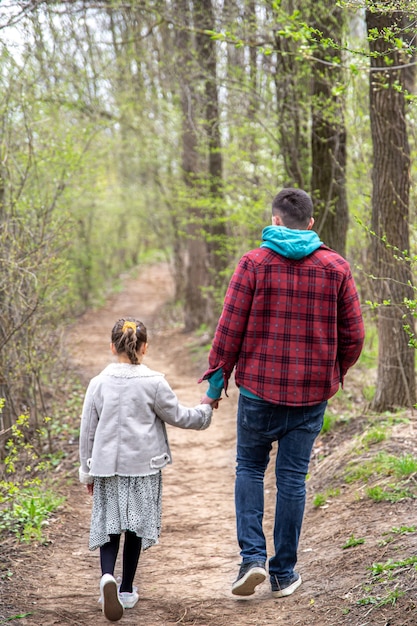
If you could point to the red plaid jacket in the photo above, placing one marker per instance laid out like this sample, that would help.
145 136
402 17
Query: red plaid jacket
291 328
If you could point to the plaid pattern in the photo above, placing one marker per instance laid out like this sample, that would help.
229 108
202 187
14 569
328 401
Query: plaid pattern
291 328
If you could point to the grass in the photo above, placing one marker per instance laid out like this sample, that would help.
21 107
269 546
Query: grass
382 464
320 499
390 598
352 542
27 494
391 493
388 577
26 514
329 421
13 617
378 463
374 435
381 570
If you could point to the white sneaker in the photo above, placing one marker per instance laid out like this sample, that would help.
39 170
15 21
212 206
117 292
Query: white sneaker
279 591
111 604
129 599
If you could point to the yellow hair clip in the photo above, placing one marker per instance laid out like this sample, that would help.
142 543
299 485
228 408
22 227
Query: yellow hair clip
127 325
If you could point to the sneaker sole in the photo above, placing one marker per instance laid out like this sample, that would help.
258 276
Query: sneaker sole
282 593
112 608
245 586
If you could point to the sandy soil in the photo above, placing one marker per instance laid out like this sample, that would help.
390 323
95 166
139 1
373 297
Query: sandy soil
186 579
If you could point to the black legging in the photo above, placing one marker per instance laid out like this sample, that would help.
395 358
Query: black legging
131 552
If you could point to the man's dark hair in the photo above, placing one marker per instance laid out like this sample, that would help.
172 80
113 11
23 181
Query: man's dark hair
294 207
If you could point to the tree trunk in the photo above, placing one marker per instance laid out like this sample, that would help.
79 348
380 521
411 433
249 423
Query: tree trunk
328 132
196 270
214 224
390 214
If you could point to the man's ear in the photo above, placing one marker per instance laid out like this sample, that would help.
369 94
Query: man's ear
276 220
311 223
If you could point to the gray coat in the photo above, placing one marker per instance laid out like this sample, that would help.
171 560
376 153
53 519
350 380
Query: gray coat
123 422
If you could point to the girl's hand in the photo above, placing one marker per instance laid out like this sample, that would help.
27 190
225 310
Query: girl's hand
90 489
214 403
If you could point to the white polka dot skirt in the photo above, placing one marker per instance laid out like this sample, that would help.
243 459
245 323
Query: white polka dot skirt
123 503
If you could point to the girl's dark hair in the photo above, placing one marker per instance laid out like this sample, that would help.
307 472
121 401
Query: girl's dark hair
127 336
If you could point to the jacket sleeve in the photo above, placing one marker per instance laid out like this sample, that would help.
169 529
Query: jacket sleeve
216 384
350 326
232 323
169 410
89 421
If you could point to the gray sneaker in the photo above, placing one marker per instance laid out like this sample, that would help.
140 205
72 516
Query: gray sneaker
250 575
285 588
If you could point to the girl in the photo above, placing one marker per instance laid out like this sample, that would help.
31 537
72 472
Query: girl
123 448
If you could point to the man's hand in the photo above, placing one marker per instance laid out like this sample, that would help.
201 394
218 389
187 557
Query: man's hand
214 403
90 488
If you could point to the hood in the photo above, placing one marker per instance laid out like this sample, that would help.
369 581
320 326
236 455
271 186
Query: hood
289 242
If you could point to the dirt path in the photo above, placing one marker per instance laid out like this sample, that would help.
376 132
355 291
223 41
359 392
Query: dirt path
186 579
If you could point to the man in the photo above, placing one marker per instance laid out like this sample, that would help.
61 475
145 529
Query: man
292 326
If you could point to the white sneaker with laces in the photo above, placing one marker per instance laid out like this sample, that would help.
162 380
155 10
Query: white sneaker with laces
129 599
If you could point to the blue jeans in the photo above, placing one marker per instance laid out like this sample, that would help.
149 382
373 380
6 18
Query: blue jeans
259 424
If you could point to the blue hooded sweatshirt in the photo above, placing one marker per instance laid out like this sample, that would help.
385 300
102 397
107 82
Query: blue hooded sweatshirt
289 242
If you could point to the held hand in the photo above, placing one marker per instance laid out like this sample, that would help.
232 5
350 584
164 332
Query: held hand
90 489
214 403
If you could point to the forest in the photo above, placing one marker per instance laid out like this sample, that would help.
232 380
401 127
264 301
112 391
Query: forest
142 133
162 129
146 130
